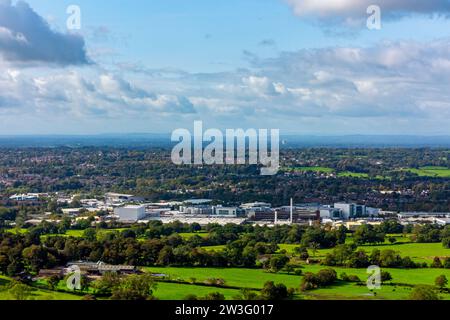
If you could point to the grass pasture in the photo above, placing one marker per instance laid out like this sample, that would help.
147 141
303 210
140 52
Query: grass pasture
36 294
418 252
175 291
192 234
349 174
255 279
236 277
214 248
432 172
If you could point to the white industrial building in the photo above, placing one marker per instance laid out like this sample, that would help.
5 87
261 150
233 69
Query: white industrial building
254 205
330 213
197 209
353 210
117 199
226 211
130 213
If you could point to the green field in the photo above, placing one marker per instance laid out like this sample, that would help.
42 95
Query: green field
255 279
418 252
313 169
318 169
79 233
191 234
17 231
346 291
175 291
215 248
349 174
433 172
70 233
36 294
236 277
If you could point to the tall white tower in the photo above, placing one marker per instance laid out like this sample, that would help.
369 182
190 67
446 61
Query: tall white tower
292 211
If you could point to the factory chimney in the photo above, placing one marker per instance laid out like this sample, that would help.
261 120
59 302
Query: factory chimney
292 211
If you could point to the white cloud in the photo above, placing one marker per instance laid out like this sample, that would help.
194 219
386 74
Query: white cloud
391 87
25 37
352 12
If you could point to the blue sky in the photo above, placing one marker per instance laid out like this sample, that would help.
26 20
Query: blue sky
303 66
205 36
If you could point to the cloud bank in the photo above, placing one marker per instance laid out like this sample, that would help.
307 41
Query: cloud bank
393 84
392 87
354 11
25 37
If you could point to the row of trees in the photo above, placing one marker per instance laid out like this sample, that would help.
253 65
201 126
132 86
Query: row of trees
348 256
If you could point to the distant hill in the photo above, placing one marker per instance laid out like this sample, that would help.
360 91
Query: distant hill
141 140
367 141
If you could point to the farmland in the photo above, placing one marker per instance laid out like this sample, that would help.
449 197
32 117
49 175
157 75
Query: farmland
431 171
239 278
403 280
36 294
419 252
349 174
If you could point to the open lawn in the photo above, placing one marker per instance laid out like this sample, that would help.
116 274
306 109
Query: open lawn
236 277
175 291
36 294
418 252
215 248
255 279
310 169
349 291
402 276
349 174
17 230
79 233
434 172
191 234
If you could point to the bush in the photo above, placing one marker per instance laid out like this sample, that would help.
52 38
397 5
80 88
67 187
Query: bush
436 263
447 263
441 281
215 282
385 276
323 278
302 252
273 292
20 291
408 263
423 293
214 296
446 242
298 272
349 278
326 277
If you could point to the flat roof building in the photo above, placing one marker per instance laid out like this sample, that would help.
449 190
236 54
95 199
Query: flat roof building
130 213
